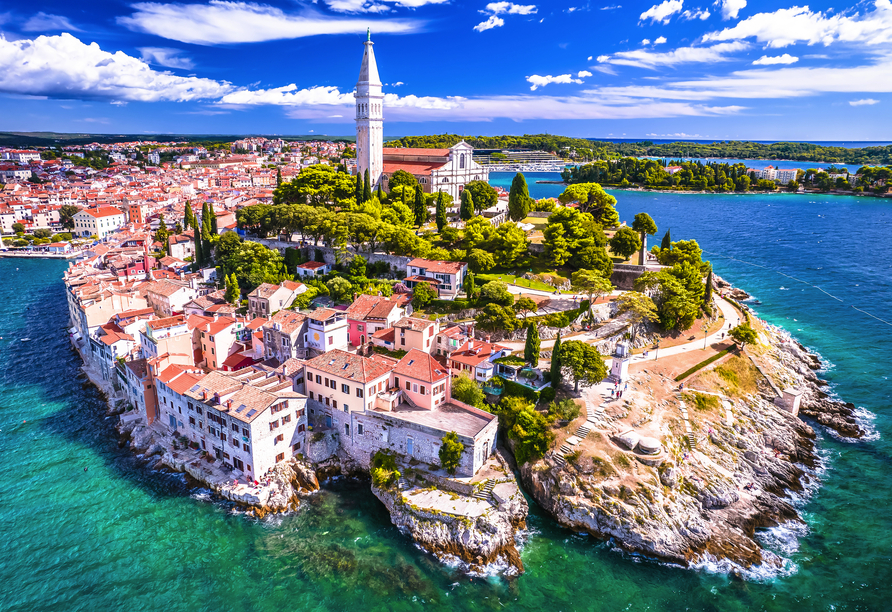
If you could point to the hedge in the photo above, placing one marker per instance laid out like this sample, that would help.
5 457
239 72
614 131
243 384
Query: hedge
701 365
512 388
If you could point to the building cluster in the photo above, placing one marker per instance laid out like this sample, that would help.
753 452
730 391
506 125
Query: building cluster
248 388
781 176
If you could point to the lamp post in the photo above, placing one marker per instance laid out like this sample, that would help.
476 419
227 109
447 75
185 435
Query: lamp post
657 354
705 329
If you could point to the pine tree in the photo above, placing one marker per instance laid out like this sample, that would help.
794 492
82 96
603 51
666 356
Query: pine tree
519 202
367 187
466 212
556 363
420 206
441 211
667 241
188 217
532 346
161 235
177 229
357 193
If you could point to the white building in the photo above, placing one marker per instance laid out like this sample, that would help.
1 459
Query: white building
21 156
369 117
98 221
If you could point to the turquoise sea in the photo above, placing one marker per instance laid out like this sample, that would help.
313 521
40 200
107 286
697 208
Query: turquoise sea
86 527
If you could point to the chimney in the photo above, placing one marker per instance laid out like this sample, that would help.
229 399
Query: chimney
471 343
487 338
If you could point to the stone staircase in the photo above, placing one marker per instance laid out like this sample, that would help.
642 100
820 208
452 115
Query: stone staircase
486 492
583 431
402 484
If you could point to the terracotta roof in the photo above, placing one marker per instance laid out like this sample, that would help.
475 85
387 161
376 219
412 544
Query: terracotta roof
311 265
433 265
289 320
371 306
104 211
412 167
413 323
323 314
420 366
347 365
264 290
166 322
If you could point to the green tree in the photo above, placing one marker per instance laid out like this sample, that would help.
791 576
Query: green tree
557 248
519 202
556 362
667 241
161 234
66 215
233 294
357 193
525 305
480 261
509 244
583 362
467 391
339 288
466 211
278 177
177 229
530 429
43 232
494 317
707 292
357 267
532 346
625 242
470 286
422 295
380 192
743 334
677 307
451 450
496 292
401 178
638 308
188 217
592 199
485 196
366 187
198 259
421 213
441 211
591 283
644 225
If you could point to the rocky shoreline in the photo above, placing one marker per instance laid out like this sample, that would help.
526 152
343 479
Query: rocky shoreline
704 503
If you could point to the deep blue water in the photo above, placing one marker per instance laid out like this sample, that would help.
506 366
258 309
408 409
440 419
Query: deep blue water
117 536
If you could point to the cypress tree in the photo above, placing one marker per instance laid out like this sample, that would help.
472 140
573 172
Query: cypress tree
519 203
198 257
380 192
441 211
667 241
556 363
232 289
532 346
206 246
213 231
357 192
707 294
470 285
420 206
187 216
466 212
367 187
278 177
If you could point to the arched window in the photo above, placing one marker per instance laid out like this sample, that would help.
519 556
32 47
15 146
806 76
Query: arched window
461 160
445 180
422 180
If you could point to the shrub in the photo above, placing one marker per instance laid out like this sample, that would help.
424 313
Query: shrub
528 428
514 389
384 472
547 394
565 410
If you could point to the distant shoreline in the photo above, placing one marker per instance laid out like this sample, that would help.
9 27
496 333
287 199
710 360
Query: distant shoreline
692 192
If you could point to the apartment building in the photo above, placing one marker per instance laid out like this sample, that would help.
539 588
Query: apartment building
169 297
326 330
268 299
285 336
370 313
411 333
447 277
99 222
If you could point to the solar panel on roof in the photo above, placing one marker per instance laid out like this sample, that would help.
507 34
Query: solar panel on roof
240 408
251 412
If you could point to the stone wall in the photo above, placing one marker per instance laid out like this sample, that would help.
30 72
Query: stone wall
329 255
323 449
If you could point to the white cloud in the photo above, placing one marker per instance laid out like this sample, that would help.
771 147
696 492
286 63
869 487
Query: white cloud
509 8
492 22
611 8
661 40
64 67
787 82
785 27
642 58
702 15
864 102
730 8
370 6
583 73
167 57
766 60
662 12
536 81
225 22
646 41
397 84
43 22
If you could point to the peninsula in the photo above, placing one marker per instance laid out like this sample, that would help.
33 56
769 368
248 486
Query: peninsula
389 315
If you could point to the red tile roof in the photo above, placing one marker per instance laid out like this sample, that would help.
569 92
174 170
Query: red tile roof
347 365
420 366
104 211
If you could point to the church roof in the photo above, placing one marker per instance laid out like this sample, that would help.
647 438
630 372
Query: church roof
412 167
368 72
418 151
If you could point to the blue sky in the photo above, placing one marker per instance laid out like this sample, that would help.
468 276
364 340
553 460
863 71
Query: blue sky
736 69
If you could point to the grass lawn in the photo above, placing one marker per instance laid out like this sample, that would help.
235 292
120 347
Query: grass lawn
511 276
536 221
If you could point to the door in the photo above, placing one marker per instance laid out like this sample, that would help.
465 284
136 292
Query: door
328 421
410 446
173 422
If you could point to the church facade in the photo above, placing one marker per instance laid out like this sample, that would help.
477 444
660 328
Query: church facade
447 170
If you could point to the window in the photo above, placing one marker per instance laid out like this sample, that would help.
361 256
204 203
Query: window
346 408
326 381
279 438
334 403
247 449
274 425
280 457
415 388
318 379
346 429
461 160
286 419
345 389
311 395
358 391
244 431
408 386
235 427
192 421
422 390
334 384
330 340
359 328
403 341
300 428
359 429
295 447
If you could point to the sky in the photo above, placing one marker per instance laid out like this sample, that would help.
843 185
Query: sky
732 69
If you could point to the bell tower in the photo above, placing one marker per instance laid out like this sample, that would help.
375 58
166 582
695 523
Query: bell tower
369 117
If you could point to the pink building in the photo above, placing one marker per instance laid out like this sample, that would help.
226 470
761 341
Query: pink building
370 313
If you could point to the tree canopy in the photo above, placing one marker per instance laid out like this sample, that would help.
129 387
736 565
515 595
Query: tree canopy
583 362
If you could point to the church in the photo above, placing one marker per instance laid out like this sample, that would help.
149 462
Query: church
446 170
